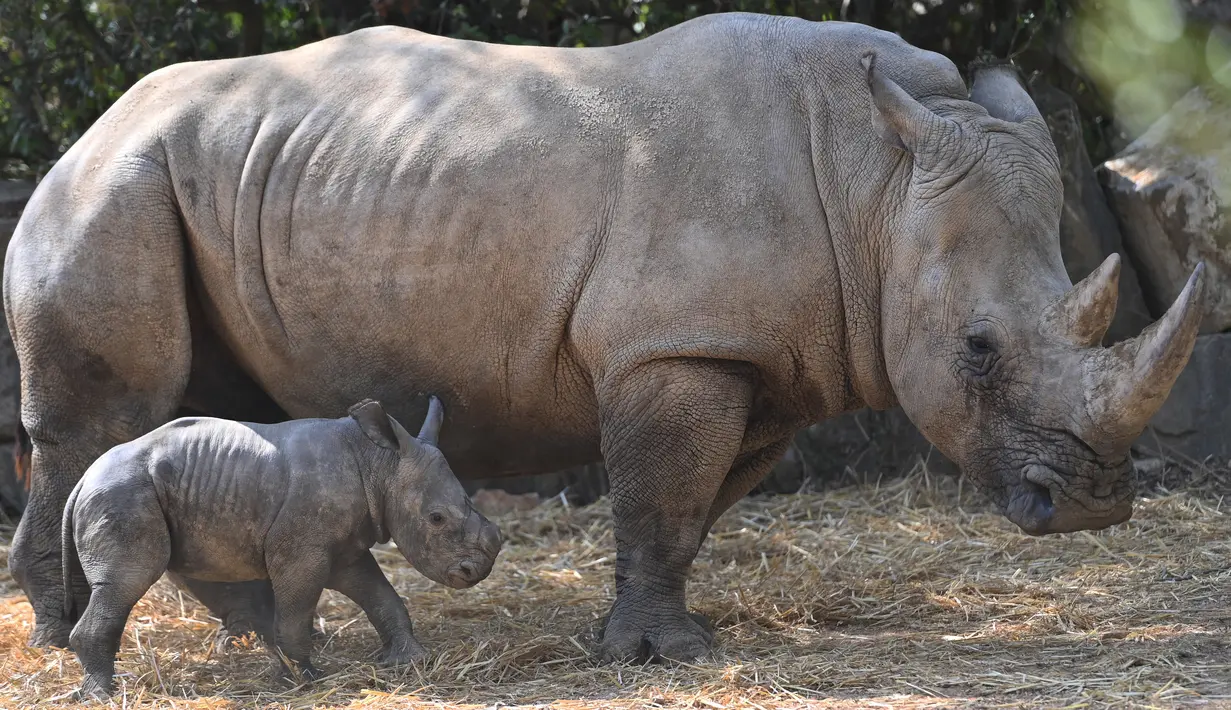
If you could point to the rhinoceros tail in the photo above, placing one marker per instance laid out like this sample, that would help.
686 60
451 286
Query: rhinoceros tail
21 456
69 558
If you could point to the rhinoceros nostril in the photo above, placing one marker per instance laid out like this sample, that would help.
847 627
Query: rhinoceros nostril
469 570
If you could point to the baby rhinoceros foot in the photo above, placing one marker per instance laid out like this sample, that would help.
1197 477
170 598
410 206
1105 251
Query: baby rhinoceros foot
243 635
677 636
51 633
294 672
303 671
93 689
401 653
227 639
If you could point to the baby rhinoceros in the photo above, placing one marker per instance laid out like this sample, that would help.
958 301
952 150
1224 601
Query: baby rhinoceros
298 503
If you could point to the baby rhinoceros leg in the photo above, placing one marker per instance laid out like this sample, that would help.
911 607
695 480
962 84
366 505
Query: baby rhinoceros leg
244 608
298 578
365 584
122 552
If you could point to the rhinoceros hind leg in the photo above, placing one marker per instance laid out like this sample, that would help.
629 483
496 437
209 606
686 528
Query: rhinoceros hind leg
95 292
121 556
671 431
243 607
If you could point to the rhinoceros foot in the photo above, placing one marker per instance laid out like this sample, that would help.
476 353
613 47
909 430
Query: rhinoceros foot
401 653
636 635
91 690
242 635
50 633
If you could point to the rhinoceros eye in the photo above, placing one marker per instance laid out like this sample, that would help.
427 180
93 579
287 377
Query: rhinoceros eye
979 345
978 357
436 517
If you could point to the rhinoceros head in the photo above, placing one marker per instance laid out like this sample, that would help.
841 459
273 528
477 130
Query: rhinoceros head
423 505
990 349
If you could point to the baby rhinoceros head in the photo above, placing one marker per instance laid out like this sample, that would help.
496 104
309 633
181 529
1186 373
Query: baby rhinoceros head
421 503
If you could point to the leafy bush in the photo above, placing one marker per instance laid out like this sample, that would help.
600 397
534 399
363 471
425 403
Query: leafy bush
63 62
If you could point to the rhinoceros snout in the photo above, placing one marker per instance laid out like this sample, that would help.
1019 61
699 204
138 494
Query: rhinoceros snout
468 573
1033 509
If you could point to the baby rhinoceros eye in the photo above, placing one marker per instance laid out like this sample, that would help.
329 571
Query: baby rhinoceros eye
436 517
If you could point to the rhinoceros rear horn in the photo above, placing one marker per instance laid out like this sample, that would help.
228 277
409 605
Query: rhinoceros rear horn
901 121
430 431
1141 371
996 86
1083 315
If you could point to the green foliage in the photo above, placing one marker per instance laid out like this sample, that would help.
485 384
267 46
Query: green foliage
1145 55
63 62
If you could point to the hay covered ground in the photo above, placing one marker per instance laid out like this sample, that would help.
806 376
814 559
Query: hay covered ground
910 594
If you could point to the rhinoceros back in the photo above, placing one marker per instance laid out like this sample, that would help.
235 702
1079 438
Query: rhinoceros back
387 214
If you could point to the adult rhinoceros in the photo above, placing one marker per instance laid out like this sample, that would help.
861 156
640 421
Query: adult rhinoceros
673 253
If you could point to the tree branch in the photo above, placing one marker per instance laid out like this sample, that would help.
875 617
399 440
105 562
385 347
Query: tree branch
252 13
78 19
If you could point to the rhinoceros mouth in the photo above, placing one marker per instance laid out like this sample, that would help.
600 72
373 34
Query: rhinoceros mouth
1032 508
1029 507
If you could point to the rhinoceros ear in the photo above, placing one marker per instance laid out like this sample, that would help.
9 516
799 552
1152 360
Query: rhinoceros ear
376 425
898 118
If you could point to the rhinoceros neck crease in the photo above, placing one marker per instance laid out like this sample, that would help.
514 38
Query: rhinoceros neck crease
856 253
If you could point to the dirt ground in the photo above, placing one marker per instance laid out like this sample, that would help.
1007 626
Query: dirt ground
908 594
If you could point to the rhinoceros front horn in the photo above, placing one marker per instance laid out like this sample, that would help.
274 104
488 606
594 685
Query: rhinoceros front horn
1134 377
1083 315
996 87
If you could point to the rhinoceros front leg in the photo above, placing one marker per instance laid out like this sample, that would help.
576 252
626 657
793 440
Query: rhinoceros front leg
671 430
298 578
749 470
364 583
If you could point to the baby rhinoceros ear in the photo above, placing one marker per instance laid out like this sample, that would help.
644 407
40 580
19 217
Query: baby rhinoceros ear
381 428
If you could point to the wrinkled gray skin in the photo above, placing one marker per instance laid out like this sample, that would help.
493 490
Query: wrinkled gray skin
673 253
299 504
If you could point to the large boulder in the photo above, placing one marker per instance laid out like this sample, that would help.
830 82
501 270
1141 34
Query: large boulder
856 447
1194 424
1172 190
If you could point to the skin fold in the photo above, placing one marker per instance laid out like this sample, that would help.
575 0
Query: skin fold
670 254
299 504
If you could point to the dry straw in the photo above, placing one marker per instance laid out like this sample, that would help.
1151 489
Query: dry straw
910 594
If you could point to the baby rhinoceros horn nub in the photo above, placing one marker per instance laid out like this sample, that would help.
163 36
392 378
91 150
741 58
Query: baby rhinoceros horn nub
430 431
1083 314
1129 381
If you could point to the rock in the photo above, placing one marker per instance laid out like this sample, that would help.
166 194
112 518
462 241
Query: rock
13 197
1194 424
1172 190
495 502
1088 229
856 447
